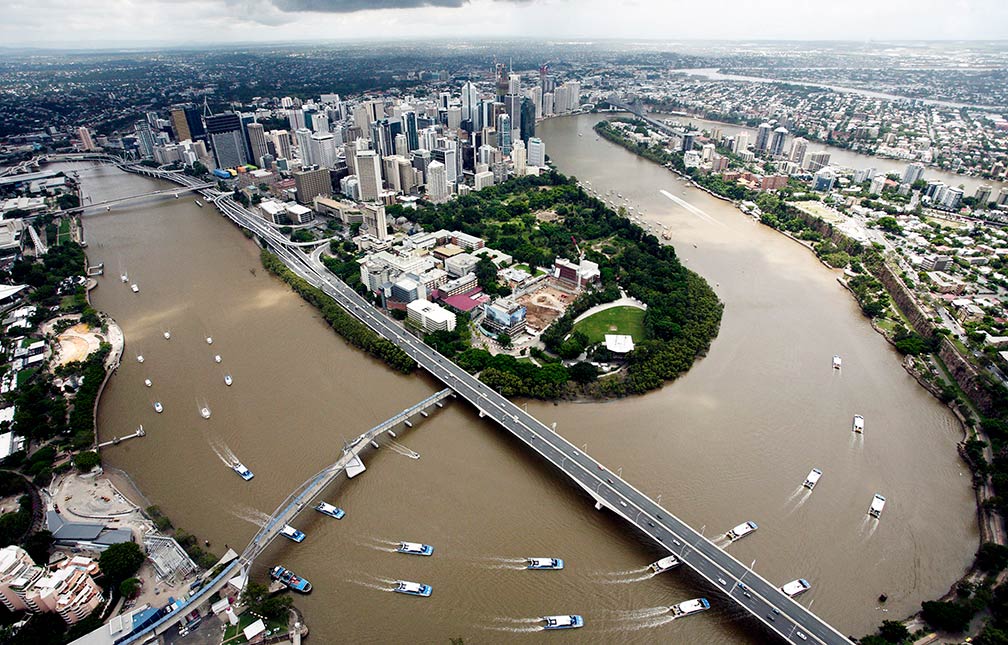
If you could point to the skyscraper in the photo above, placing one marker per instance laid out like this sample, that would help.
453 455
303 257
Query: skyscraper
763 137
409 128
282 143
536 152
437 181
257 141
312 183
504 133
528 117
369 174
777 142
518 158
741 142
145 138
374 220
228 142
470 104
818 161
323 149
502 81
179 124
798 148
304 146
913 172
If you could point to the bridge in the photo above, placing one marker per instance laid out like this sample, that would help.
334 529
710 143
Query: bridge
780 614
154 193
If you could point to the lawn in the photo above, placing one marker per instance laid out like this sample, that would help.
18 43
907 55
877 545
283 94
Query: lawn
233 633
532 272
64 231
617 320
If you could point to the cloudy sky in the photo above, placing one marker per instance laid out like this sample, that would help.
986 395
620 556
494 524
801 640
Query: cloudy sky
96 23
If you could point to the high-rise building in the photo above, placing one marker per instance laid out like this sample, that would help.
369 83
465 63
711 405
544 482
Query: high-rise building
777 142
504 133
369 174
304 146
296 119
688 139
514 83
1002 198
374 220
983 196
470 104
382 140
86 143
180 125
145 138
741 143
282 143
518 158
818 161
798 148
454 117
409 128
913 172
312 183
528 117
257 141
437 181
536 152
323 149
225 131
763 137
502 81
68 589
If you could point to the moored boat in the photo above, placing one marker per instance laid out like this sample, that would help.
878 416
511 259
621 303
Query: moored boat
666 563
147 382
332 511
140 358
289 578
167 335
135 288
412 588
217 358
572 621
227 379
415 548
158 407
209 340
545 564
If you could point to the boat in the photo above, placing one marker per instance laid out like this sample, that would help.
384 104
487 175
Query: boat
688 607
812 479
877 504
415 548
666 235
412 588
742 530
147 382
135 288
292 533
227 379
796 587
332 511
217 358
199 203
858 425
140 358
289 578
572 621
158 407
242 470
837 361
125 277
545 564
666 563
374 444
205 412
209 340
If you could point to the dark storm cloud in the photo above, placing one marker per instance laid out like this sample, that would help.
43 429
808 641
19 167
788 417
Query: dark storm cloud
349 6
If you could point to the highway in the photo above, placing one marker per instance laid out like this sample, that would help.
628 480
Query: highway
762 599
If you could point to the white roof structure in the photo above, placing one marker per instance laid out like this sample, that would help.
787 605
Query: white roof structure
619 343
10 290
254 629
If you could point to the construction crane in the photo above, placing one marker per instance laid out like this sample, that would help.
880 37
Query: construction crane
580 261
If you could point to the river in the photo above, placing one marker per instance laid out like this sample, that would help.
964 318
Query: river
730 441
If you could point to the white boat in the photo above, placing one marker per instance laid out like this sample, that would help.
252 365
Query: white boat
292 533
796 587
858 425
217 358
209 340
242 470
415 548
412 588
227 379
147 382
205 412
742 530
135 288
666 563
374 444
689 607
125 277
158 407
199 203
572 621
167 335
332 511
837 361
877 504
545 564
140 358
812 479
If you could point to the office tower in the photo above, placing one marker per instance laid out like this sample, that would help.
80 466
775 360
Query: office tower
374 220
323 149
312 183
401 146
688 139
470 104
382 137
504 133
514 83
518 158
777 142
282 143
409 128
502 82
443 99
86 143
407 175
983 196
1002 198
763 137
818 160
368 166
741 142
296 119
362 118
536 152
421 159
798 147
547 104
528 117
225 131
257 142
454 117
913 172
428 138
535 95
390 170
145 138
304 146
512 107
180 125
437 181
194 120
447 154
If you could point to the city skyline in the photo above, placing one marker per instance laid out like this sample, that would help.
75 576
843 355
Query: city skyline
166 23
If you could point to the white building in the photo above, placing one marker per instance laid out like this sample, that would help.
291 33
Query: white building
437 181
536 152
483 179
430 316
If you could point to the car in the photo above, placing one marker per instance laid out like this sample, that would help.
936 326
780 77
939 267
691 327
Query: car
722 581
771 618
650 523
609 480
800 635
677 542
776 611
622 503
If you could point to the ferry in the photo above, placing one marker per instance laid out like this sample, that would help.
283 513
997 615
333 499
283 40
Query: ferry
205 412
545 564
812 479
689 607
147 382
415 548
167 335
837 361
209 340
158 407
217 358
796 587
412 588
135 288
877 504
332 511
563 622
288 577
858 425
292 533
666 563
140 358
227 379
742 530
242 470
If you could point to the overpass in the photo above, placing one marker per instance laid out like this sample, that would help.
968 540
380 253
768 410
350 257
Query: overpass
744 587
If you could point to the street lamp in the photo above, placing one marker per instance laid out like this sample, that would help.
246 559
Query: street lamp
747 570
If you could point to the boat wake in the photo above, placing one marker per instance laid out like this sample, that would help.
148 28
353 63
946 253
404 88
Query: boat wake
639 614
640 576
516 629
402 450
657 620
868 527
856 441
798 499
379 544
690 207
516 621
372 582
251 515
225 454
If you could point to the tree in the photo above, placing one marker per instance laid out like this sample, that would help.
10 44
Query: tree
992 557
38 546
583 372
486 274
504 340
894 631
120 561
259 600
86 461
946 616
129 587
